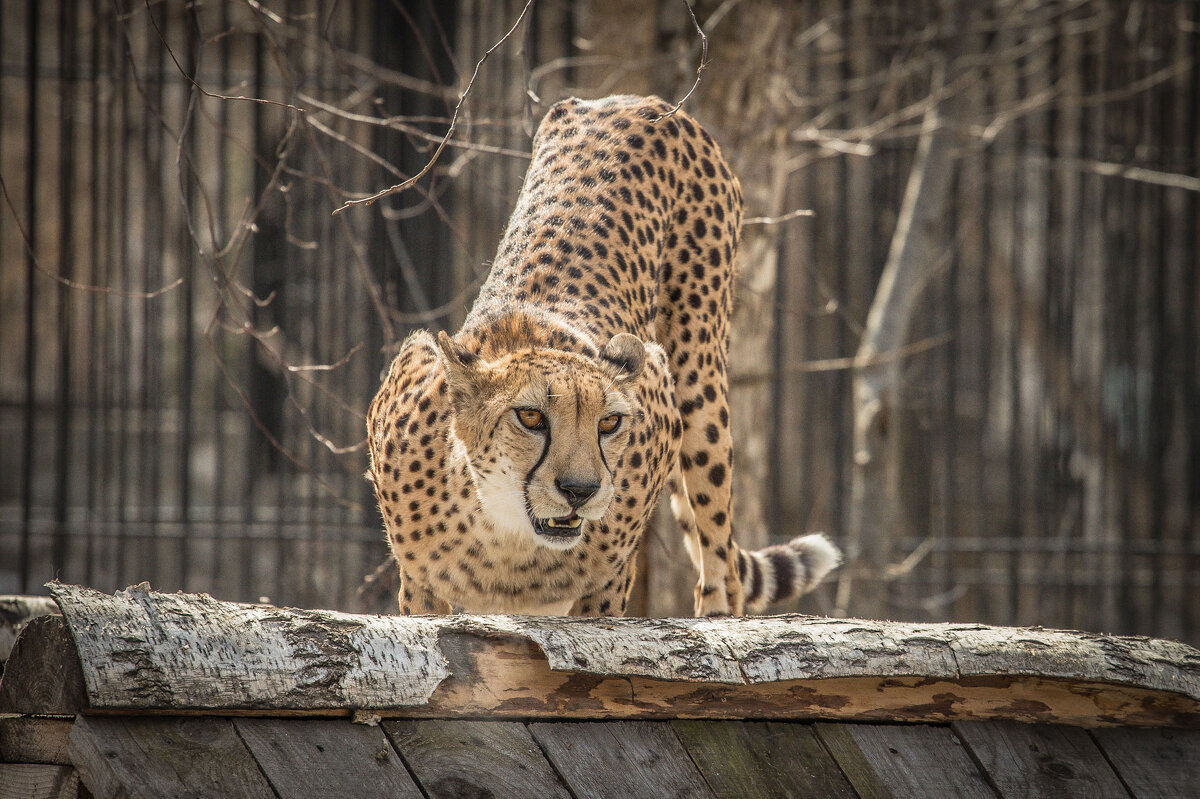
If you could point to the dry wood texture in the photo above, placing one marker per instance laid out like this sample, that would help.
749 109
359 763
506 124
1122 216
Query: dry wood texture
1041 760
27 781
34 740
15 613
485 758
140 650
322 757
42 674
184 757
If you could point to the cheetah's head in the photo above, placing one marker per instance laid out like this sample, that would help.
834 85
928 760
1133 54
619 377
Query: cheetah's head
542 430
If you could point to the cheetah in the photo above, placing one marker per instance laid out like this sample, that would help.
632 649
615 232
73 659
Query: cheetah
516 463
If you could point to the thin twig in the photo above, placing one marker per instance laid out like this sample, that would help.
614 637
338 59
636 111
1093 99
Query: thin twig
200 88
137 295
775 220
395 123
699 68
838 364
453 123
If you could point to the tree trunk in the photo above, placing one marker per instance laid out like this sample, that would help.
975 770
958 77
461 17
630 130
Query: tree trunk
873 510
184 654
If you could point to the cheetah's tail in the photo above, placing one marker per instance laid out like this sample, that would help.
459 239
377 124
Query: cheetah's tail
783 571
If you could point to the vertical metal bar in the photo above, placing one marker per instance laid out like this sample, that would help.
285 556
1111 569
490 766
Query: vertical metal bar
1189 375
253 436
187 256
149 485
66 165
32 177
92 465
122 395
219 388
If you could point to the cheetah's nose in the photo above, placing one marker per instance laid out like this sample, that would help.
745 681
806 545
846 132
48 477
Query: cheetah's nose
577 492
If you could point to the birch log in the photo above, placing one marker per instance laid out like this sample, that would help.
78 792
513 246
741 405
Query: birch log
140 651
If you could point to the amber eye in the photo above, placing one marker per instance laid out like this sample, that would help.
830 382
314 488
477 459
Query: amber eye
609 424
531 418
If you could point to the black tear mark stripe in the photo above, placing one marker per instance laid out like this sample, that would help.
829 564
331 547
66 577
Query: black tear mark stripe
536 466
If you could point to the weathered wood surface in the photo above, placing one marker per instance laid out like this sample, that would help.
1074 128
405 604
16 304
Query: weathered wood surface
27 781
1154 764
620 759
904 762
25 739
15 613
144 649
453 759
1045 761
132 758
140 650
194 757
771 760
42 675
313 758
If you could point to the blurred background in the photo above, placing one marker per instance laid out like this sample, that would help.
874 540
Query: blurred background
966 341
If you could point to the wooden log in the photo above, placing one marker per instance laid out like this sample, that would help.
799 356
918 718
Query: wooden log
177 653
15 613
42 676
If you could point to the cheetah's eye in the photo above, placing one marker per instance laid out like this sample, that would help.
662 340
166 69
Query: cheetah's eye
531 418
609 424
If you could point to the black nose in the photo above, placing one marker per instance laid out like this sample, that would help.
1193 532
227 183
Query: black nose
577 492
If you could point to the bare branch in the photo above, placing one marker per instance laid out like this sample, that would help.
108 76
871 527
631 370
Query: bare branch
775 220
840 364
137 295
453 123
201 89
699 68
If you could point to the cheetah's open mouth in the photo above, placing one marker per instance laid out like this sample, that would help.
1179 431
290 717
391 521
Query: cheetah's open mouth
562 527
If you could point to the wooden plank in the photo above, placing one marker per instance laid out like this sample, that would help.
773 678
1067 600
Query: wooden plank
904 761
1153 764
179 653
34 740
1040 760
620 759
42 675
334 758
155 757
28 781
474 758
762 759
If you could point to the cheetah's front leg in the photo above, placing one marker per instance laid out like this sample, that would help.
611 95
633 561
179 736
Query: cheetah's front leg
416 599
611 599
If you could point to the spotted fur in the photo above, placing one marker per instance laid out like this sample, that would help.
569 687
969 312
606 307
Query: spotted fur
517 462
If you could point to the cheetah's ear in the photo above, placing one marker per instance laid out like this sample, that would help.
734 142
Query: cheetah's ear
461 365
625 356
